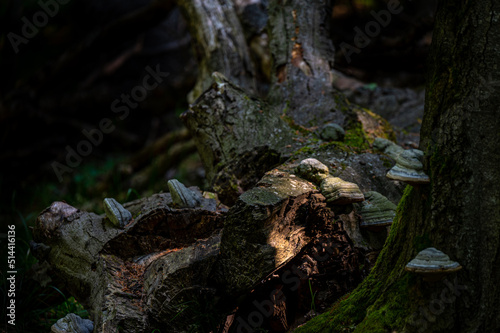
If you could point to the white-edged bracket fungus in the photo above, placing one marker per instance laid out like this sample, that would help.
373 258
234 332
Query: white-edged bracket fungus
340 192
312 170
409 168
335 190
183 197
377 211
432 265
116 213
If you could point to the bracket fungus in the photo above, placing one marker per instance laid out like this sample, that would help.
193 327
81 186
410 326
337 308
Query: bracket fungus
116 213
312 170
73 323
183 197
387 147
336 191
376 211
409 168
332 132
340 192
432 265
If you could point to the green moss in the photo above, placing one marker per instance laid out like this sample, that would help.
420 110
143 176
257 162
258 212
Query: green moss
356 138
385 131
313 140
373 307
294 126
386 162
303 150
287 106
381 302
337 145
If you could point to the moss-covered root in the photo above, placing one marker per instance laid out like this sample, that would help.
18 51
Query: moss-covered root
381 303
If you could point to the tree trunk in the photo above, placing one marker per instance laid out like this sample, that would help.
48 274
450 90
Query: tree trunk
219 44
459 213
303 54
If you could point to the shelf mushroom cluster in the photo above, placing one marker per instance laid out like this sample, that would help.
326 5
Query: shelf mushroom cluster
387 147
336 191
409 167
376 211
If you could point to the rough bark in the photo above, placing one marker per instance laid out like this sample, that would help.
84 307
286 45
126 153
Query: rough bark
283 226
459 213
125 277
325 264
219 44
303 56
238 138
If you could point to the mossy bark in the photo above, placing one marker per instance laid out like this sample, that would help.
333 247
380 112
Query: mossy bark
459 213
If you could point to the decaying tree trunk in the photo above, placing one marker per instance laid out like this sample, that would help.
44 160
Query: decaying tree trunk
280 251
170 269
124 276
240 136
